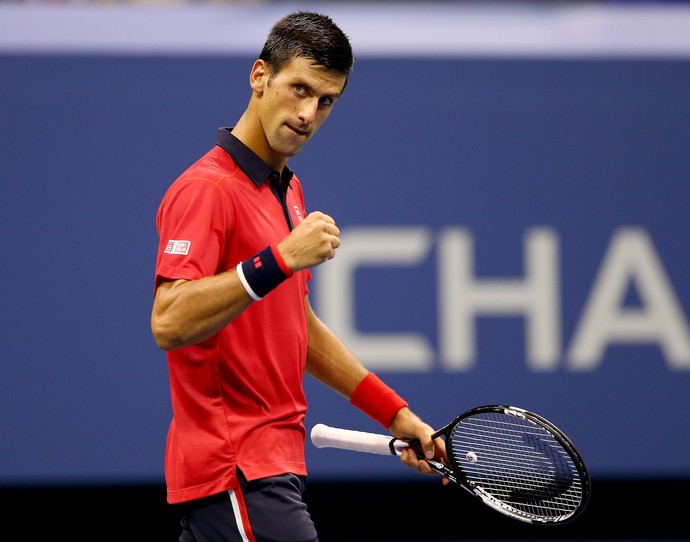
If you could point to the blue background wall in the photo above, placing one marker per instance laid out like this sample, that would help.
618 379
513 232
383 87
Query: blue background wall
587 150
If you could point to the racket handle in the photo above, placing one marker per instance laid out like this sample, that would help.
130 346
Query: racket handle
323 436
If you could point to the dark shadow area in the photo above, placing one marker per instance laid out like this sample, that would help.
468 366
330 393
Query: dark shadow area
630 510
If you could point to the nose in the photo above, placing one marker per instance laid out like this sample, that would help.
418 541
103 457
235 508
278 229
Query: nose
307 110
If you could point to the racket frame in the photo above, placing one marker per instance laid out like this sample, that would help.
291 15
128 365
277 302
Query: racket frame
457 474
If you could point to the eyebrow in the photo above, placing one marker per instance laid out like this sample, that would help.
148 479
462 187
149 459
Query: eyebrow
310 89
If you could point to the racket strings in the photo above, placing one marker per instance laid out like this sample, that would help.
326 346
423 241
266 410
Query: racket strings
517 464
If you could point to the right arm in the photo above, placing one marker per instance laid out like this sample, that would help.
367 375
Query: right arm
190 311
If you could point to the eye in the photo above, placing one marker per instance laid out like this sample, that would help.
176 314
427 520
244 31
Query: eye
300 89
326 101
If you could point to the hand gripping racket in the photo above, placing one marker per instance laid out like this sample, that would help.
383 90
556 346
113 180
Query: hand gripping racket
513 460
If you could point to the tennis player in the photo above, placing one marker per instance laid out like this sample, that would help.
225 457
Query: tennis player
232 311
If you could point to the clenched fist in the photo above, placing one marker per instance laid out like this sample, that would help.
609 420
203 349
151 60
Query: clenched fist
311 243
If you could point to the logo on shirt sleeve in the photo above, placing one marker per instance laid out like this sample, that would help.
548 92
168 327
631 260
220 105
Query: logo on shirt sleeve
178 247
299 215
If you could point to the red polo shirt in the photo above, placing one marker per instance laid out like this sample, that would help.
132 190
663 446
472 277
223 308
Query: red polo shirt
237 398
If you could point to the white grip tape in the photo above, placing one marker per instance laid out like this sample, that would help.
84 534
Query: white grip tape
323 436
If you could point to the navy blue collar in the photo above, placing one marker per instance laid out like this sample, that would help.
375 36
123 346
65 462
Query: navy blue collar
254 167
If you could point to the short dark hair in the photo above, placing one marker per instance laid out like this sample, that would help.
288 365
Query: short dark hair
311 35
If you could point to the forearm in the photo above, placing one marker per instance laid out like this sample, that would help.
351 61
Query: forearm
188 312
329 360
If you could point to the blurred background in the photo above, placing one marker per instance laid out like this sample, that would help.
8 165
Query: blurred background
512 182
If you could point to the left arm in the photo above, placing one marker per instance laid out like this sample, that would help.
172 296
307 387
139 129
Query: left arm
328 359
332 363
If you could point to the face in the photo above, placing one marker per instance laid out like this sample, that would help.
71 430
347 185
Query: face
294 104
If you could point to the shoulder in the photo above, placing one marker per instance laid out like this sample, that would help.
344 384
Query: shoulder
211 174
213 167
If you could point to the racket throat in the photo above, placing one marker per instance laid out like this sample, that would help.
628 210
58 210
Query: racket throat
441 468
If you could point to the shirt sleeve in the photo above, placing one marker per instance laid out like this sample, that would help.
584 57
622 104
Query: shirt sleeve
191 221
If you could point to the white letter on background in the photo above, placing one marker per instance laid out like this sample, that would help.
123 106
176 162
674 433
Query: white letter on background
462 297
631 258
336 294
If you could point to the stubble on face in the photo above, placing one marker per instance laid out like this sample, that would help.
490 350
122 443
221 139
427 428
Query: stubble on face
295 103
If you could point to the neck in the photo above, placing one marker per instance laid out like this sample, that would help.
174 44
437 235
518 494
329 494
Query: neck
249 132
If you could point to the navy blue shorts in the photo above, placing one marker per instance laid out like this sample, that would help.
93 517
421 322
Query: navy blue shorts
265 510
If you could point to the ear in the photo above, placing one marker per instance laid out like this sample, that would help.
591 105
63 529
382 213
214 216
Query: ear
258 77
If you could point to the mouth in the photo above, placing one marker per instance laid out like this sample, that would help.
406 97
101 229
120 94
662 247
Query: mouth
301 133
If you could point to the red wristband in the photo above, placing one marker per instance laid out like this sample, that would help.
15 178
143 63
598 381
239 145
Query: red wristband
281 263
377 400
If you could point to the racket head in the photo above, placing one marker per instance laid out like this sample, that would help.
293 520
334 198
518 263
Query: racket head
519 463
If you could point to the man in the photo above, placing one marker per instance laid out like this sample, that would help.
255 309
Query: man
231 306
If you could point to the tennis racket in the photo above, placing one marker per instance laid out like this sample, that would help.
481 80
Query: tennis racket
513 460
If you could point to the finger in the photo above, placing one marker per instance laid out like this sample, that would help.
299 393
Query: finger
318 216
327 218
428 447
440 447
410 459
424 468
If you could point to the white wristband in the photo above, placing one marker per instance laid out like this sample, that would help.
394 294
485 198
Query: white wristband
244 282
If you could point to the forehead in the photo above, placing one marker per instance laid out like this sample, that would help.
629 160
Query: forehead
319 78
